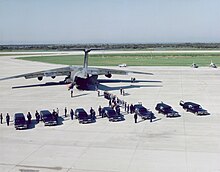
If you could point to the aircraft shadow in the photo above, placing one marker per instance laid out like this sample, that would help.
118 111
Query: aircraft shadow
125 81
107 88
79 95
41 85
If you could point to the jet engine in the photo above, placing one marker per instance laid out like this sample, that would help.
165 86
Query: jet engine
109 75
40 78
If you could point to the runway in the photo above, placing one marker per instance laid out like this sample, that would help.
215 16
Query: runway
186 144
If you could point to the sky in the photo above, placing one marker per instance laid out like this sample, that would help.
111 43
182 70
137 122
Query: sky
108 21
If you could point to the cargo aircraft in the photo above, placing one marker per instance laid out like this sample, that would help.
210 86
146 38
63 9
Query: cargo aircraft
82 77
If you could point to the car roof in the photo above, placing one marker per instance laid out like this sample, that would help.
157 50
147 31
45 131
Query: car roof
80 110
17 115
107 108
138 105
45 112
191 103
164 105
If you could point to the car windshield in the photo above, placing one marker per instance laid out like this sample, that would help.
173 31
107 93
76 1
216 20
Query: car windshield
197 107
168 108
112 113
83 115
47 116
19 120
142 110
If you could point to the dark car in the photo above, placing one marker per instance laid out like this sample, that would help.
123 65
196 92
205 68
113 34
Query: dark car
48 118
141 111
82 116
20 121
166 110
111 114
194 108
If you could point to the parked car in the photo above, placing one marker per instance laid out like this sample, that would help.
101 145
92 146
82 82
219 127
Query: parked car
20 121
48 118
194 108
82 116
141 111
111 114
166 110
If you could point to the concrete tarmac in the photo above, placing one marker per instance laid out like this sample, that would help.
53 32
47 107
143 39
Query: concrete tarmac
185 144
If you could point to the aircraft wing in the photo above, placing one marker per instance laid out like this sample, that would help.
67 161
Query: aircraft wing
104 71
45 73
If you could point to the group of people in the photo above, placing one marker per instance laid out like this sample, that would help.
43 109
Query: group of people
114 102
7 118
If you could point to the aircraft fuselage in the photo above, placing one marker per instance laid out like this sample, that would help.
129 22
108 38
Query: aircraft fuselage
89 83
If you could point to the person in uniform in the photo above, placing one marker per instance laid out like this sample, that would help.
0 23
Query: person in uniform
135 118
121 91
29 117
100 110
7 119
65 112
1 118
128 108
71 114
37 116
71 92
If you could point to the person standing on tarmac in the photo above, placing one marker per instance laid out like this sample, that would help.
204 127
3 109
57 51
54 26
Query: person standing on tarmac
29 117
151 117
100 110
1 118
57 112
71 114
121 91
7 119
65 112
128 108
37 116
135 118
71 92
125 107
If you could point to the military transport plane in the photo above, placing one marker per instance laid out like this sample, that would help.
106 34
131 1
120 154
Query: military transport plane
83 77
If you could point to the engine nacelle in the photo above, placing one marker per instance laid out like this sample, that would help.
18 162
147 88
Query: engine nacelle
108 75
40 78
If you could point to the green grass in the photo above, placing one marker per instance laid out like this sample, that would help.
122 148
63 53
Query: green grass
15 54
145 59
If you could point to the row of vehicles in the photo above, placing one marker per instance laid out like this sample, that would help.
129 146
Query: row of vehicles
108 112
188 106
212 65
46 116
167 110
50 119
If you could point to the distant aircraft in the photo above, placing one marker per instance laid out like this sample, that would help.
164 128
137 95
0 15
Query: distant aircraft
213 65
83 77
122 65
194 65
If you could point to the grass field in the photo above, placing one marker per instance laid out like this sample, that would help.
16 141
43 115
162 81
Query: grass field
14 54
145 59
